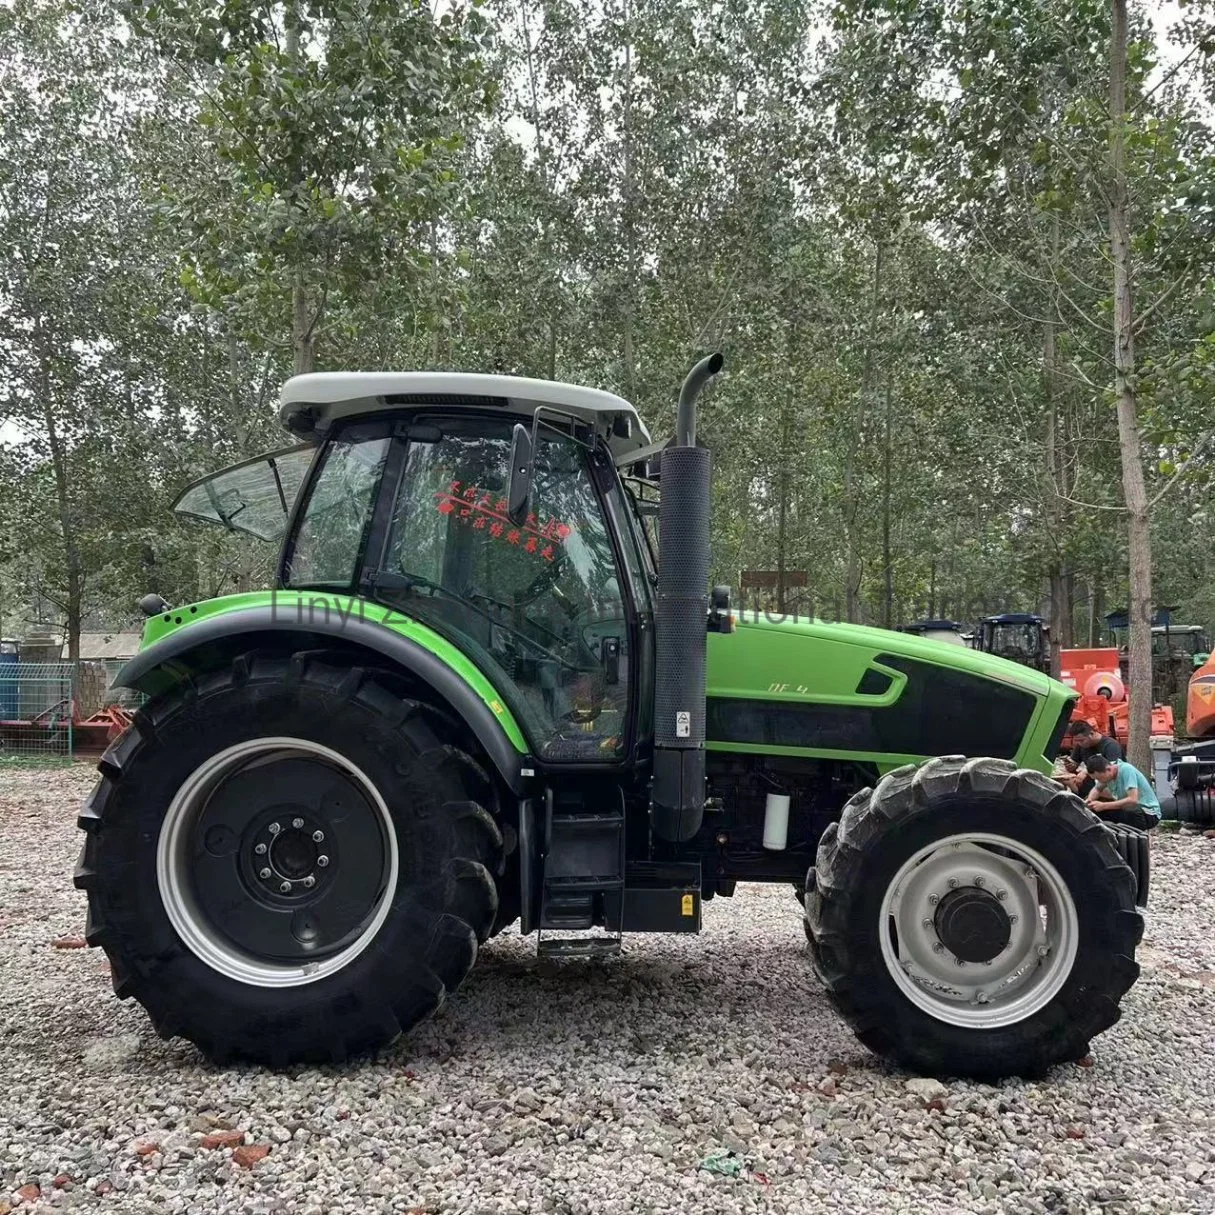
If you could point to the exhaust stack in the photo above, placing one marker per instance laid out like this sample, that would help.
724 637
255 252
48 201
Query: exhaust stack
678 799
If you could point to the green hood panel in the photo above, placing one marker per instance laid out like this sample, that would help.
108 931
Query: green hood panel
761 656
824 689
332 611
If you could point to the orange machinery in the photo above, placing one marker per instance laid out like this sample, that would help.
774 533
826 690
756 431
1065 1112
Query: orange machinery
1103 702
1200 702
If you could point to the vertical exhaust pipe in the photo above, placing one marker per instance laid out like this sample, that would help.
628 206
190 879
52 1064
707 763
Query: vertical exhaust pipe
678 799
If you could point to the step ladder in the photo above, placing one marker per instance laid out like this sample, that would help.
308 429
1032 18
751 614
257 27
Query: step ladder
583 880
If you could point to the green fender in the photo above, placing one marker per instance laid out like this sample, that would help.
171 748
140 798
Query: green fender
171 639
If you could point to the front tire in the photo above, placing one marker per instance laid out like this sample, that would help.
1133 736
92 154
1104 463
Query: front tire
287 861
968 918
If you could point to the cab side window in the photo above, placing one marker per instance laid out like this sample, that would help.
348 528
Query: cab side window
329 541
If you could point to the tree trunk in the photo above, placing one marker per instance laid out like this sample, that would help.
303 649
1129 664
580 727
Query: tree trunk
630 219
1067 626
1134 491
852 574
887 571
303 319
301 326
435 327
73 567
1055 582
782 504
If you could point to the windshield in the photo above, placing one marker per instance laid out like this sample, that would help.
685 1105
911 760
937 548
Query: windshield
1021 640
255 497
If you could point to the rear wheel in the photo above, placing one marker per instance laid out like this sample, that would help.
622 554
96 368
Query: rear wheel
970 918
287 861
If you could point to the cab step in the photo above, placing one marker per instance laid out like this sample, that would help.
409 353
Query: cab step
578 947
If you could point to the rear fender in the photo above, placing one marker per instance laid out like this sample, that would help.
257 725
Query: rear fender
207 642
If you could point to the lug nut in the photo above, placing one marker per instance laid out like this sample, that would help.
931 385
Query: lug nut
982 997
1012 919
284 887
322 861
310 881
260 849
1043 950
959 961
297 823
317 836
925 923
934 899
1001 895
274 828
938 948
978 881
264 874
952 883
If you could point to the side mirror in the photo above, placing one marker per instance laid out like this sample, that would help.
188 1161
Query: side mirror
519 492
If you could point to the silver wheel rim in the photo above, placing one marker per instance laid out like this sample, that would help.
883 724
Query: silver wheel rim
174 879
1043 936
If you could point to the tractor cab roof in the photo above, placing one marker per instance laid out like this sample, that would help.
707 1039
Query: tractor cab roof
311 402
1013 618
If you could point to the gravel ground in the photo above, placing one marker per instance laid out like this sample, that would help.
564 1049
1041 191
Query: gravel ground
589 1088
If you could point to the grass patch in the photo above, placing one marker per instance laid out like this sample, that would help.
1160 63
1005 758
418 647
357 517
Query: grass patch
34 761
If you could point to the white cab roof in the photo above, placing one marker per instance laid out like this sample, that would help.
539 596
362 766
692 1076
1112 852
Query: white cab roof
329 395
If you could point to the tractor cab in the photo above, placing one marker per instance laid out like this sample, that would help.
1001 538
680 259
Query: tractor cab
400 493
1018 636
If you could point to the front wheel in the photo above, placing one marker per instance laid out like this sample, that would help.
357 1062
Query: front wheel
969 918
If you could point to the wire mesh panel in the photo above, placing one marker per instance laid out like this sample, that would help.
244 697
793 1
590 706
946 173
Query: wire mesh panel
36 701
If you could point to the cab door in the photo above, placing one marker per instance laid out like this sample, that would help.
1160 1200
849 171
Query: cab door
542 606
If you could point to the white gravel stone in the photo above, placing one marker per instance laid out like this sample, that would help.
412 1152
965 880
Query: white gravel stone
594 1089
926 1088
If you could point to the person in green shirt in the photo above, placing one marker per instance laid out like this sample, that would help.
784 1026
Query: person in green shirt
1122 794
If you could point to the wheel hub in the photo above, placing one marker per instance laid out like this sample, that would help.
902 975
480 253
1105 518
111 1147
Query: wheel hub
972 924
290 853
276 861
978 930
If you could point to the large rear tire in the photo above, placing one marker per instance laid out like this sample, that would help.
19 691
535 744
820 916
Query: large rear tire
288 861
971 919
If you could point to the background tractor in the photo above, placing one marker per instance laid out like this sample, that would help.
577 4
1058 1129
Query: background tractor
479 694
1018 636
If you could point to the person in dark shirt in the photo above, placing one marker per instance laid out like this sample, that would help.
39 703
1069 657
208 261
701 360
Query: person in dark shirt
1087 741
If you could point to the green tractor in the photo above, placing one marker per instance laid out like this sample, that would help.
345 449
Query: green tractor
481 693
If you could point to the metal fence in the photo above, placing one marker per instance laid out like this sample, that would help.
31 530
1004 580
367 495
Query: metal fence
36 710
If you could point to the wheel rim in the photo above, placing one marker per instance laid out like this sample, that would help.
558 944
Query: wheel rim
277 862
978 930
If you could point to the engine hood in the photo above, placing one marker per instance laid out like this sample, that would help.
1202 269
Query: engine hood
830 657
